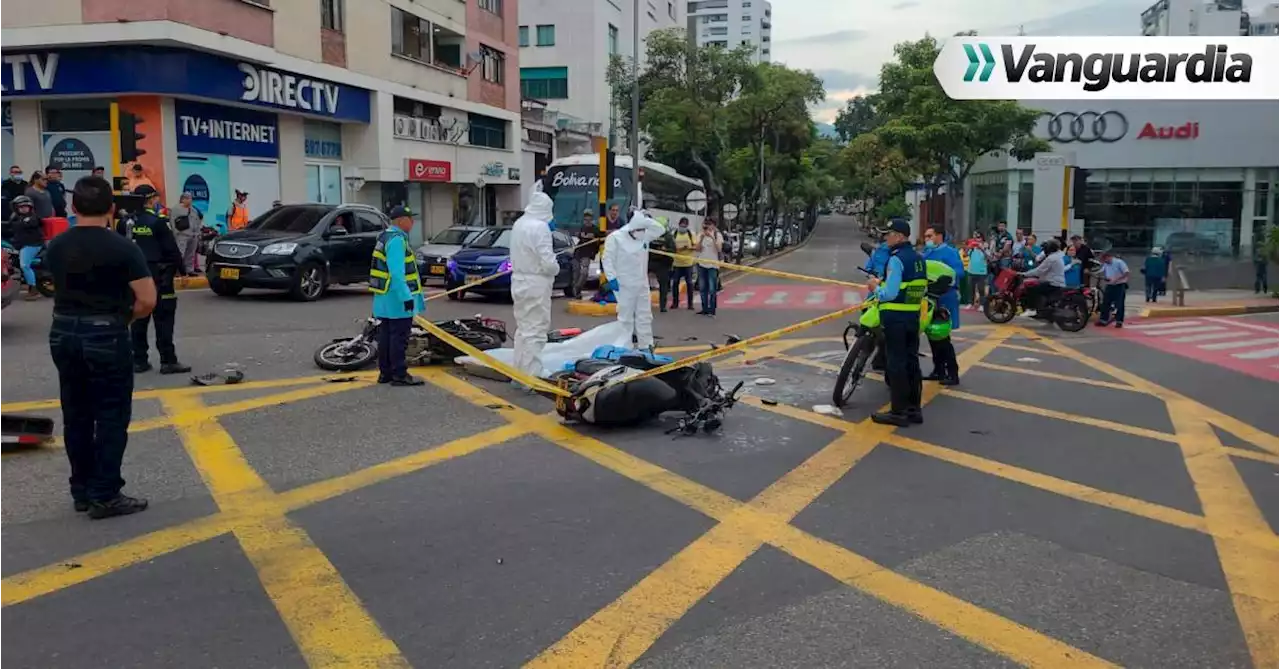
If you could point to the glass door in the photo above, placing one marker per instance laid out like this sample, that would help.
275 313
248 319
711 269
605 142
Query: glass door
324 183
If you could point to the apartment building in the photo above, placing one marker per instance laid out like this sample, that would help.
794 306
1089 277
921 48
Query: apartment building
565 48
1216 18
731 23
381 102
1266 21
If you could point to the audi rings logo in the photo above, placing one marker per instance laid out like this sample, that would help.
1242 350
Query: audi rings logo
1086 127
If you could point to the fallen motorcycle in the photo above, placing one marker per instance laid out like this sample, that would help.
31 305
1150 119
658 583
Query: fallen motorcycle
604 392
353 353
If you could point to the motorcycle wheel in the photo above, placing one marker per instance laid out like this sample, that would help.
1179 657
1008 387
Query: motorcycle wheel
346 356
1071 315
999 309
44 285
851 371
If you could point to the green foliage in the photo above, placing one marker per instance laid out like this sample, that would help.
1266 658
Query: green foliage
858 117
889 209
1273 244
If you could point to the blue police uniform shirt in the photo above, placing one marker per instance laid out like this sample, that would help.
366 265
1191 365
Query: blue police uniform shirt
901 268
391 304
948 255
878 262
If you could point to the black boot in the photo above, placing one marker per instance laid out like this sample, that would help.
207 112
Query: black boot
898 419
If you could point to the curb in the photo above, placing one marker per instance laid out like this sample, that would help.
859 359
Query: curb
589 308
191 282
1225 310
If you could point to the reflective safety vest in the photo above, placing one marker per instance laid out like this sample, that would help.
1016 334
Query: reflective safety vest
380 271
914 283
239 217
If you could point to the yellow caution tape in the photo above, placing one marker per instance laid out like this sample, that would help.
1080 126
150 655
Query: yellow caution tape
491 277
490 361
769 272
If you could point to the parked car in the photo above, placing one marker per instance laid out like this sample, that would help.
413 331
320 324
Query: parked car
490 253
299 248
10 283
433 257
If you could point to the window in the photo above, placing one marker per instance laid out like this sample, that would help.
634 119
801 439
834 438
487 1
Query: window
486 131
368 222
746 42
494 6
410 35
324 183
544 83
746 17
746 4
492 64
671 9
331 14
746 30
546 35
717 30
613 40
524 35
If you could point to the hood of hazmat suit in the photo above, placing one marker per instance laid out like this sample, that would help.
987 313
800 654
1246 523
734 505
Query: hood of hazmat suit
626 257
533 271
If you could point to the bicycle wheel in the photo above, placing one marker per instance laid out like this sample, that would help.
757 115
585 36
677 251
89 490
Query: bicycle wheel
850 375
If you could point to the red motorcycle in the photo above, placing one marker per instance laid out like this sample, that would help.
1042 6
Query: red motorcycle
1068 309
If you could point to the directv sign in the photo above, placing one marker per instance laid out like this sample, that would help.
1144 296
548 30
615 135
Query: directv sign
228 131
122 70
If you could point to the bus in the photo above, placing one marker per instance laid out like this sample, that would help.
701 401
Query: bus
573 184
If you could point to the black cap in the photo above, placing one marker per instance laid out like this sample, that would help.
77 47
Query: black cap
897 225
399 211
146 190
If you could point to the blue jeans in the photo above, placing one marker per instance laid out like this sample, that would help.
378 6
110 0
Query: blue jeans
708 278
679 274
95 374
1112 298
25 255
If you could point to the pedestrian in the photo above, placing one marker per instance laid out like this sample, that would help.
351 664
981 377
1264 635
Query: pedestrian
1153 274
626 263
397 297
586 252
101 283
660 265
682 264
900 295
28 238
152 233
1084 254
57 190
946 369
12 187
1115 283
533 271
238 214
1261 280
187 221
710 251
1167 255
41 202
613 218
978 269
1074 275
1001 235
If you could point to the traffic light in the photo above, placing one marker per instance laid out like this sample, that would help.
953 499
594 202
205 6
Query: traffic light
610 173
1079 186
129 137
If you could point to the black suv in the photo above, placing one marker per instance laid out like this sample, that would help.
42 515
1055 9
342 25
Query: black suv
301 248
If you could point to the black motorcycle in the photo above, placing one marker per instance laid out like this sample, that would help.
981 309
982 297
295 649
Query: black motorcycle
353 353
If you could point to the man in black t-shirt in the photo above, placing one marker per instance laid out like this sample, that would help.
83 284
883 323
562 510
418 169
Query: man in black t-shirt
101 284
1084 254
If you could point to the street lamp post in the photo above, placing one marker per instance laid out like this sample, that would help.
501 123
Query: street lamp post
635 104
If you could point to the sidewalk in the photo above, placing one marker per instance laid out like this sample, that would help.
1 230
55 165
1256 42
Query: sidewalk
1211 303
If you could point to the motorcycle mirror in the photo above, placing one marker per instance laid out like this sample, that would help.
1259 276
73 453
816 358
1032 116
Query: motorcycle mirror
867 248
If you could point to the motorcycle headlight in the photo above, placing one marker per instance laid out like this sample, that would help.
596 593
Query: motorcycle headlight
280 249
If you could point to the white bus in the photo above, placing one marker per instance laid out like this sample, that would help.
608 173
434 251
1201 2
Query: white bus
573 183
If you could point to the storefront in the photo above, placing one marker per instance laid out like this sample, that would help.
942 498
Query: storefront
201 123
1197 177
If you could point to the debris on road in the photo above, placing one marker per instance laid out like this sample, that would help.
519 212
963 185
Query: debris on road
827 410
228 377
1028 359
341 379
764 381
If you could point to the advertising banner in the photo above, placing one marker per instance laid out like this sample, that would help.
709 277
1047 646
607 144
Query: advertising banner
228 131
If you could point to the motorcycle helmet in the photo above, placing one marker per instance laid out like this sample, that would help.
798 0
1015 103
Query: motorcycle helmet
939 328
22 201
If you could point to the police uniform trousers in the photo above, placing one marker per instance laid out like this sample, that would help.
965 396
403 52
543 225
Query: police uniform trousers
164 315
902 359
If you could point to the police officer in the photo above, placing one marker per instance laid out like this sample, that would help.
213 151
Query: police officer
397 297
904 287
152 234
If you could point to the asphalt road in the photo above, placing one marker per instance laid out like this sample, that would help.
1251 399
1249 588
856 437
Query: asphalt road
1079 500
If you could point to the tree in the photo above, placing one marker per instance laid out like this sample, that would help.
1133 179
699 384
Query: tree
858 117
874 172
947 136
684 92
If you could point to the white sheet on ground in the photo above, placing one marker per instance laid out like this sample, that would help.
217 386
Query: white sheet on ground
554 356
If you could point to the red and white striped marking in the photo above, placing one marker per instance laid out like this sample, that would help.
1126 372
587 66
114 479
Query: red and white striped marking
1245 346
785 296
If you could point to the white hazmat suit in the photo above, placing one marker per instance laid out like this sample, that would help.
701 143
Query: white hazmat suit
626 259
533 270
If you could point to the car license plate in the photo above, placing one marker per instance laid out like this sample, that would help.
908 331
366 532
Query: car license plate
229 273
472 278
435 269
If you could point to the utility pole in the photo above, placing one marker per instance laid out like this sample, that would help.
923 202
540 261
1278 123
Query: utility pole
635 105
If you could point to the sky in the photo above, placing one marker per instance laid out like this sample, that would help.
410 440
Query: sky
846 41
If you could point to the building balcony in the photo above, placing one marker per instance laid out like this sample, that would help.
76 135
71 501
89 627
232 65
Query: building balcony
252 21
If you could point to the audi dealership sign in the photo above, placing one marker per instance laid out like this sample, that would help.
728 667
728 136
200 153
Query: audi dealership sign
1085 127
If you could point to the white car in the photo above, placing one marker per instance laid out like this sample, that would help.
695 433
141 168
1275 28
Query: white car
435 254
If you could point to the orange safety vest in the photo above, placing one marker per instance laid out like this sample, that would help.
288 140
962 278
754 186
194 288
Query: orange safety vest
238 218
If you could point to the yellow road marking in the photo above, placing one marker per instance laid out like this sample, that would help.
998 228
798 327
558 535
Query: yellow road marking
326 619
1251 455
1062 415
1030 349
1236 524
1057 377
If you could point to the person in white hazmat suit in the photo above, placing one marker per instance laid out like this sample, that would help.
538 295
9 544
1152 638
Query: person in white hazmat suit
533 269
626 264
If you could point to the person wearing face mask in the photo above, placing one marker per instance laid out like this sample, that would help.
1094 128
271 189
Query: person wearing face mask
13 187
936 248
626 263
533 270
682 264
